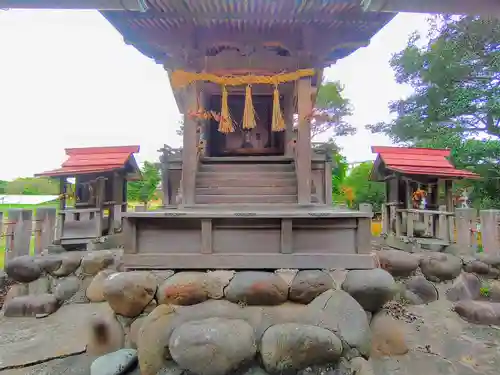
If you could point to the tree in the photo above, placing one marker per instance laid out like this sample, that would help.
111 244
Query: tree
33 186
479 156
144 189
339 172
456 82
364 190
456 99
3 186
330 111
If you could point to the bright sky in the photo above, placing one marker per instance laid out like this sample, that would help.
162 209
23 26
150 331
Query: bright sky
67 79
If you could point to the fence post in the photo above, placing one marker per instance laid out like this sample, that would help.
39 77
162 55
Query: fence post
364 230
490 231
23 228
465 222
2 235
45 221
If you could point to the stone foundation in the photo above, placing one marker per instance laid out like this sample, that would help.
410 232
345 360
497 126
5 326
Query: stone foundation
251 322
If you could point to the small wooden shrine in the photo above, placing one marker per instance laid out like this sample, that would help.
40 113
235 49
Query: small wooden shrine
248 189
98 192
419 208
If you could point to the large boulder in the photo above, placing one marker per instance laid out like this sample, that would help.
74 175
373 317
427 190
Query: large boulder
69 264
153 338
397 262
418 290
31 305
465 287
66 288
492 260
188 288
95 290
388 336
371 288
128 293
479 312
214 346
287 348
440 266
257 288
309 284
23 269
476 266
346 314
49 263
95 261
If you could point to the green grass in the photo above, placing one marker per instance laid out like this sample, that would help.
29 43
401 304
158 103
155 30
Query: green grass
4 208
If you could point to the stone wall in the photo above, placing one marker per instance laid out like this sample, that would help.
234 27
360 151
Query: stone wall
251 322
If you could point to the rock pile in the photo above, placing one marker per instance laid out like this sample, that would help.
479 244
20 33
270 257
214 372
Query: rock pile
468 282
249 322
45 282
253 322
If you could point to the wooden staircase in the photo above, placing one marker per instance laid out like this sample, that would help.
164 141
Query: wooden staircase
246 180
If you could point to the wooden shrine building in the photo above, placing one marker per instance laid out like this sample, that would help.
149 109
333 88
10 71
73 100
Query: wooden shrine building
251 192
419 207
93 204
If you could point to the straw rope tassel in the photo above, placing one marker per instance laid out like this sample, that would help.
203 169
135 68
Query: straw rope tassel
226 122
249 111
278 123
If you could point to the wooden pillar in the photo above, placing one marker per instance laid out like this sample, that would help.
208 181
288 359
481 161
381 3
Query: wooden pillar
448 193
62 206
289 110
189 149
303 147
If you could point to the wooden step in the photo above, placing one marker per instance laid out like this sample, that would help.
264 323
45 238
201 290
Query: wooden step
247 167
207 182
245 199
242 175
247 159
247 190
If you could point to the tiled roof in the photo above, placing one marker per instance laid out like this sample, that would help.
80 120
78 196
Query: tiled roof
420 161
94 160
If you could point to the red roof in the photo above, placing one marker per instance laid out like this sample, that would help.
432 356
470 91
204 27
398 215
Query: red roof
420 161
94 160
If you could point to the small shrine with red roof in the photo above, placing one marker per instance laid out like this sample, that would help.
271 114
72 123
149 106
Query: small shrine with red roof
419 202
99 192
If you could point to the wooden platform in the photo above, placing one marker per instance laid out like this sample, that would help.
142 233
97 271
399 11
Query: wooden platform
248 237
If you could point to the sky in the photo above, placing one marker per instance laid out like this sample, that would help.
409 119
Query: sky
67 79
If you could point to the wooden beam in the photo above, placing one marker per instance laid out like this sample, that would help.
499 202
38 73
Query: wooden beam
248 261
